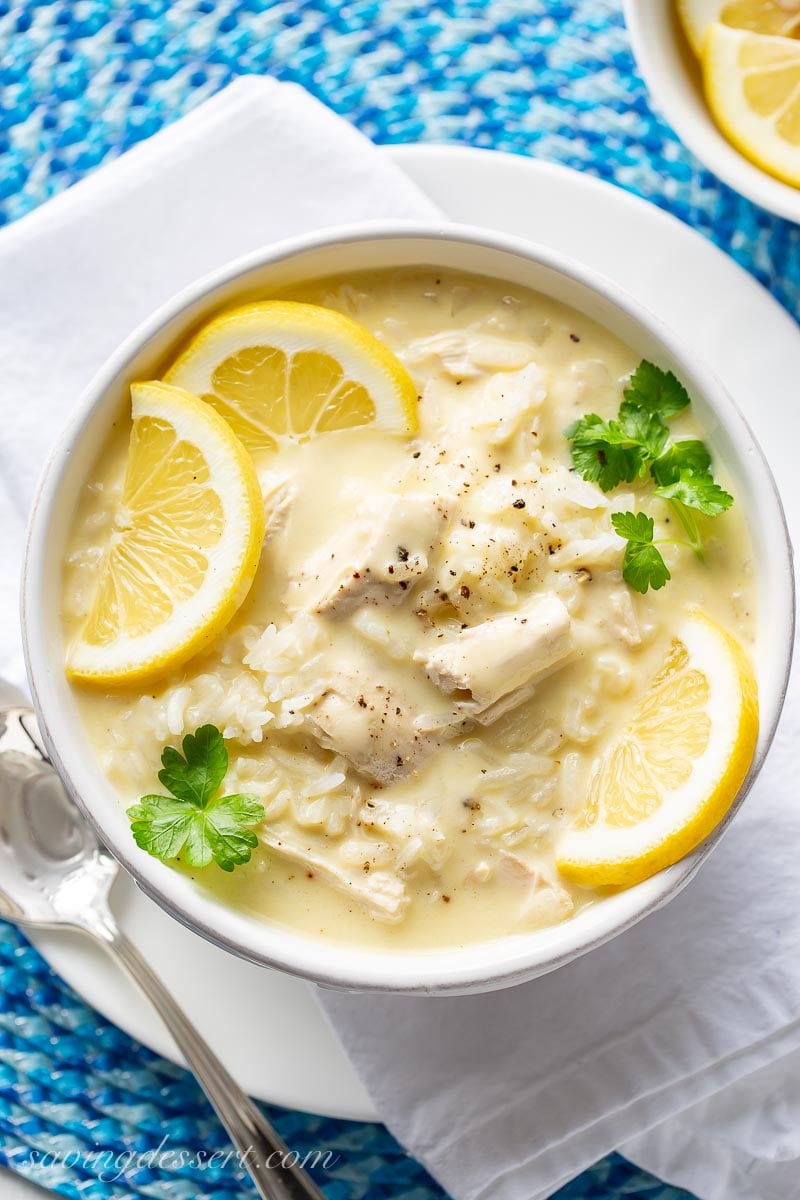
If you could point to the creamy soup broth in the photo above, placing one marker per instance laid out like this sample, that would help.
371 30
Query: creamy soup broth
454 844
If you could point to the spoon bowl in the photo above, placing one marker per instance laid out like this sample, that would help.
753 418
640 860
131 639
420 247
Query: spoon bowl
53 869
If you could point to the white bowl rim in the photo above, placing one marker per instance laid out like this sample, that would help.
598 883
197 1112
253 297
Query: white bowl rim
324 962
711 147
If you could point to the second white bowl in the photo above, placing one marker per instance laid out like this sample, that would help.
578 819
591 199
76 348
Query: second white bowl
672 74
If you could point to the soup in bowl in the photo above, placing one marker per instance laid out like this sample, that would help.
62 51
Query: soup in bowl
392 609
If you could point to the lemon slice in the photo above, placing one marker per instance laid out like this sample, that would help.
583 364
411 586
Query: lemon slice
671 776
185 545
753 87
781 18
282 372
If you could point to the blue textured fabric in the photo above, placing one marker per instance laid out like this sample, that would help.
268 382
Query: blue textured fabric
80 82
73 1084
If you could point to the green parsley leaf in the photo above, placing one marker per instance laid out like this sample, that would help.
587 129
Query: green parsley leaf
634 527
686 457
160 825
220 832
602 452
643 567
656 391
196 774
699 492
642 564
190 821
645 428
620 451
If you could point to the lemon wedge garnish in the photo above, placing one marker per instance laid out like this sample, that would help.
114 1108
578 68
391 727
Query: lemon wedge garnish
185 545
780 18
280 371
753 87
674 772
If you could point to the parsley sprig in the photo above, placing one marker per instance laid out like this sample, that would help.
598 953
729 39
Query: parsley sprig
642 564
191 822
636 445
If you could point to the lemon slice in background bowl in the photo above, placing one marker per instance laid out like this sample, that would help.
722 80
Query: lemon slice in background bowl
185 546
780 18
672 775
752 83
280 371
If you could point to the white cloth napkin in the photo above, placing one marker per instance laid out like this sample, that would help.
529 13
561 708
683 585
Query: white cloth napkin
511 1094
260 162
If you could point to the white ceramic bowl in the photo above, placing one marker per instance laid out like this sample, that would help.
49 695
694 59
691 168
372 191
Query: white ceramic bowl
473 967
672 73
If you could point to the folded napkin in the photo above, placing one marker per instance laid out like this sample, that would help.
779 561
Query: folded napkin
505 1095
743 1142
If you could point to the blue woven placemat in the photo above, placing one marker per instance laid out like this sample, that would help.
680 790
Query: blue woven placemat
83 1109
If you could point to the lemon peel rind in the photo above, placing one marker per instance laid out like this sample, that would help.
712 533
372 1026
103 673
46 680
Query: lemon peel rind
697 16
84 667
694 30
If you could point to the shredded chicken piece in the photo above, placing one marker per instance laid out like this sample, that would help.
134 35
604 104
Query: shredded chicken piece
546 901
381 892
277 504
371 725
375 562
464 355
502 657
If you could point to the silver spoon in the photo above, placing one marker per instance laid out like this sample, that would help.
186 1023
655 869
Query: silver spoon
54 873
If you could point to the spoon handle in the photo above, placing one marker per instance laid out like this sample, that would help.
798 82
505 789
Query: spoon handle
262 1150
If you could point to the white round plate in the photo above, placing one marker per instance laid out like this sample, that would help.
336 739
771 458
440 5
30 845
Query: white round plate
269 1028
672 73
